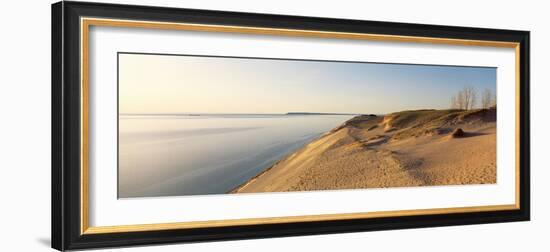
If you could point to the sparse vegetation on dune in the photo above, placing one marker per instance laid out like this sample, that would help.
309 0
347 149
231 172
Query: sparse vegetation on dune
429 122
363 121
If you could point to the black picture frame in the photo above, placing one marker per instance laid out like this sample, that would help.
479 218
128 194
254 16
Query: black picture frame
66 124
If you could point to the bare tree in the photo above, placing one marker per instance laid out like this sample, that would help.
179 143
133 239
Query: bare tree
466 98
457 100
469 96
473 97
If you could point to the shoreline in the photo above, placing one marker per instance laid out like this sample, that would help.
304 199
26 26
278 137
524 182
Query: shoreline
251 180
255 177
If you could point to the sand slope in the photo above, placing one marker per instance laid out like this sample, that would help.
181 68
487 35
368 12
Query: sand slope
409 148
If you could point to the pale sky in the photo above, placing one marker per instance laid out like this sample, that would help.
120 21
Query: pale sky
195 84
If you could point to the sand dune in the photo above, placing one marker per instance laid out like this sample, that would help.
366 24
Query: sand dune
409 148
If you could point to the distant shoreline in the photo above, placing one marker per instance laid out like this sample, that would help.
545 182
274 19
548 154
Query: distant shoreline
313 113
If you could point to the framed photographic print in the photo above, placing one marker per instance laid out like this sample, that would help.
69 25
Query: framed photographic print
181 125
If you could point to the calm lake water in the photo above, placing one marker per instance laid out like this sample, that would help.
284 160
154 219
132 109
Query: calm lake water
169 155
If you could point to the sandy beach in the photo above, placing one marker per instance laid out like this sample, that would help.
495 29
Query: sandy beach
408 148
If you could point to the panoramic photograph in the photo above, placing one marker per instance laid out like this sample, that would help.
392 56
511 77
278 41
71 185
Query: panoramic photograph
200 125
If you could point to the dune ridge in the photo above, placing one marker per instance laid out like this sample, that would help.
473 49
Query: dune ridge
408 148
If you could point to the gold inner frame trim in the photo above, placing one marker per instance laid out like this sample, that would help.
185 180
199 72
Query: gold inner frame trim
288 219
85 24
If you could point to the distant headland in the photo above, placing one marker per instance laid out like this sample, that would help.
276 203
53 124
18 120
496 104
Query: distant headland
314 113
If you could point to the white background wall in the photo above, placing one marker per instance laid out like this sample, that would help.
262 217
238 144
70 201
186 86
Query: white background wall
25 125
